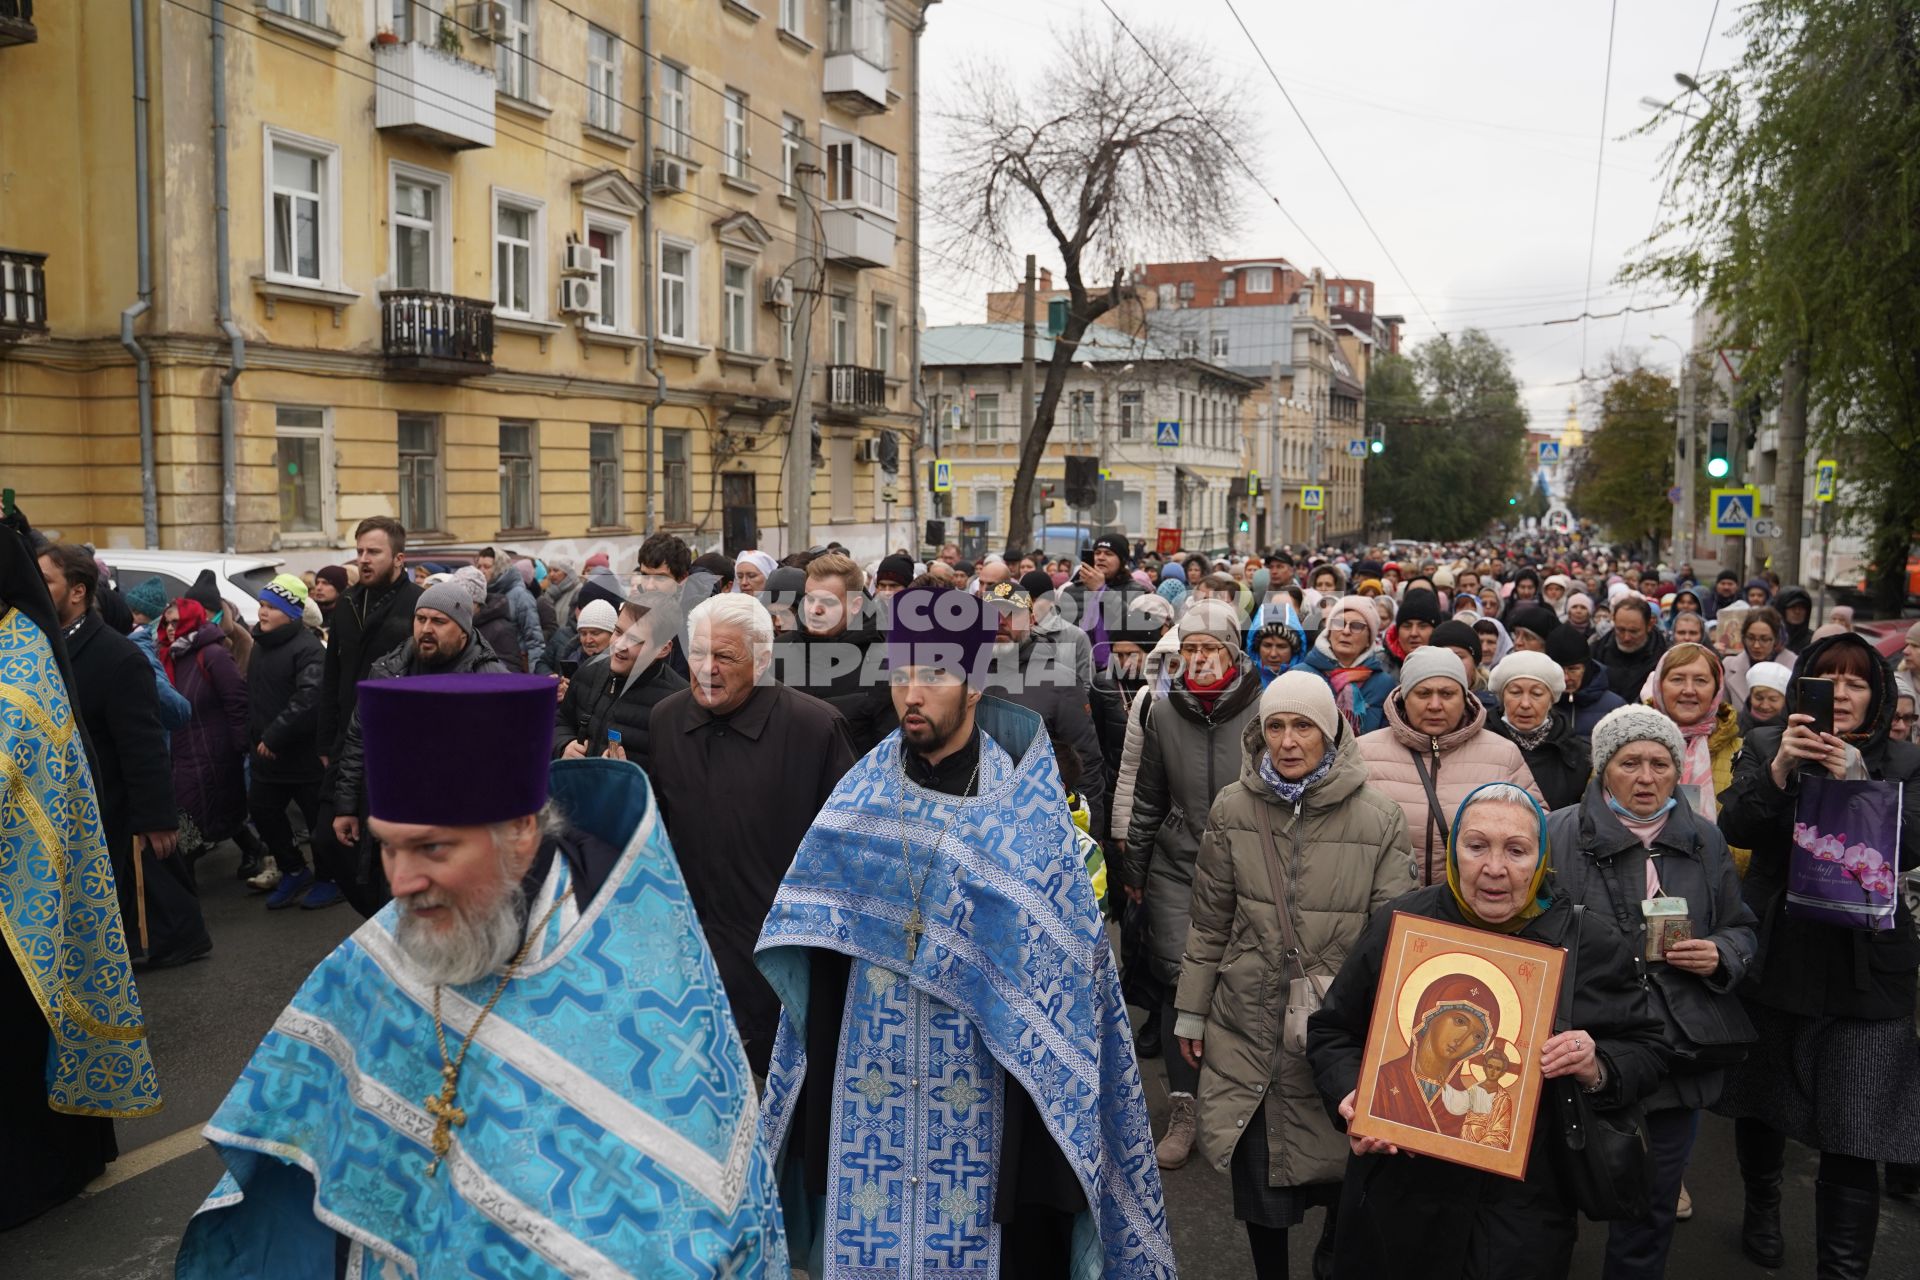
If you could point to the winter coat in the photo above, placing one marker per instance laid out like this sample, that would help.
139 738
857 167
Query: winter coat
1187 758
1069 644
1805 967
1561 764
1371 698
283 704
1593 854
598 699
848 672
495 621
209 755
1343 853
1102 610
1418 1216
1740 663
1626 672
363 627
1139 702
506 581
114 696
174 709
1043 680
349 771
1469 756
1594 699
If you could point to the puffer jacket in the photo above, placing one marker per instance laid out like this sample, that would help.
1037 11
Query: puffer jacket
1187 758
1343 853
506 581
599 698
209 771
1127 773
1472 755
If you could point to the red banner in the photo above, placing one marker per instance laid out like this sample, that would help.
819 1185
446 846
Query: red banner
1168 542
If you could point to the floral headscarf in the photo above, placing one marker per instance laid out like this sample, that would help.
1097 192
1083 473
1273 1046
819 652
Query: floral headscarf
1538 899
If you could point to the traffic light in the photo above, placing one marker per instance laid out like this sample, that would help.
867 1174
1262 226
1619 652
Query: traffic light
1377 445
1244 526
1513 502
1719 448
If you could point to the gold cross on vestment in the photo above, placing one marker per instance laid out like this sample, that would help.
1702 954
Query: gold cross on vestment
445 1116
913 928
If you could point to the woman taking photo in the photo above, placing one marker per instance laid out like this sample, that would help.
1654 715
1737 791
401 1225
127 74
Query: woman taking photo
1417 1216
1349 658
1837 1066
1631 839
1296 855
1534 716
1689 689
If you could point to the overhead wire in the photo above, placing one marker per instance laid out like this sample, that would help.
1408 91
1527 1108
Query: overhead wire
1593 233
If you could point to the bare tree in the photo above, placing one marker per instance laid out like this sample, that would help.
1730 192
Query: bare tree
1124 151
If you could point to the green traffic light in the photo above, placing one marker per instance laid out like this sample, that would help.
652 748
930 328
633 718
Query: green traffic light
1378 446
1717 468
1513 502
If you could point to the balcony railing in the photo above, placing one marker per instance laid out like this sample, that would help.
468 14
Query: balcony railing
436 335
851 387
16 22
23 292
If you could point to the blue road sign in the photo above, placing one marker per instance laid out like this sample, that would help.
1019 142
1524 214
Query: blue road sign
1734 511
942 476
1167 435
1549 453
1356 448
1312 497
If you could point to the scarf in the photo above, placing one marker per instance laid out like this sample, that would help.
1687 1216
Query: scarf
1538 897
1291 792
178 636
1646 830
1696 761
1530 739
1208 694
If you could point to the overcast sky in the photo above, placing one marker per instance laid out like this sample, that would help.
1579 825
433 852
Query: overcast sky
1468 131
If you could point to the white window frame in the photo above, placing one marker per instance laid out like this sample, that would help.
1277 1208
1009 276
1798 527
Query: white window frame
676 110
986 404
533 469
1217 345
842 347
734 133
793 17
328 501
676 476
307 11
328 153
520 49
793 135
860 174
438 453
594 466
622 269
1259 279
1133 425
786 334
440 230
736 307
536 254
860 27
886 318
603 80
689 334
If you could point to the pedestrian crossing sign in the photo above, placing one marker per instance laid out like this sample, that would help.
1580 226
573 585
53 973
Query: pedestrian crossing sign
1167 435
942 476
1734 511
1824 480
1356 448
1549 453
1313 498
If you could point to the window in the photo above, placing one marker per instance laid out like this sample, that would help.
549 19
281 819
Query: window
786 334
603 460
860 173
793 17
883 336
840 330
303 200
676 292
1186 290
1132 517
1169 294
735 140
793 132
1218 345
516 476
609 241
858 27
300 437
840 478
305 10
1226 290
1259 279
736 307
1133 416
516 267
1080 415
986 417
676 476
513 51
419 437
419 228
676 110
603 80
986 505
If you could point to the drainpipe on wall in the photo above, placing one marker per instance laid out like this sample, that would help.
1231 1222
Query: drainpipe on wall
143 233
914 372
647 249
222 276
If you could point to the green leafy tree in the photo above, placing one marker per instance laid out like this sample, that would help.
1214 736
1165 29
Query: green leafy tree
1796 217
1456 431
1620 479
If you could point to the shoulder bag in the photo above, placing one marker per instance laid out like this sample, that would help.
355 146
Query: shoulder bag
1305 992
1436 817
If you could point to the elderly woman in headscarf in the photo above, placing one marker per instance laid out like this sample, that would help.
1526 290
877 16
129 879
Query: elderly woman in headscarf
1495 643
1761 640
1348 656
1580 613
1766 701
750 572
1419 1216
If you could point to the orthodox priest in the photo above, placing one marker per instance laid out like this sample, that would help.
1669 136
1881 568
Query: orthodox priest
73 1045
953 1089
523 1065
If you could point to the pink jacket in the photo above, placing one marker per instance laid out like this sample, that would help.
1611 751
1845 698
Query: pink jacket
1471 756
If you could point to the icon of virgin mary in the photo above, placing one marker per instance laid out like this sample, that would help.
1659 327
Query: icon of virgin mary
1456 1018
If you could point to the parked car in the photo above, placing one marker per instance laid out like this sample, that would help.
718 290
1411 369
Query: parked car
240 577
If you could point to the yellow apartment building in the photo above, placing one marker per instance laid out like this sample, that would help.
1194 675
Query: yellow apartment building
434 260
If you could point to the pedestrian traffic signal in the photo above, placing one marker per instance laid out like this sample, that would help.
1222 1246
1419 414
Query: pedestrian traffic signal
1719 450
1377 445
1244 526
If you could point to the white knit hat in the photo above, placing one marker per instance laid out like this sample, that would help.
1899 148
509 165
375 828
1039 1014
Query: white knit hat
597 615
1769 675
1302 693
1634 722
1429 661
1360 605
1523 664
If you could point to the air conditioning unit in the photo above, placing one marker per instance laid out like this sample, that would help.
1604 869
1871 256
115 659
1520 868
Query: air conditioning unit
487 20
579 296
779 292
582 260
867 451
669 174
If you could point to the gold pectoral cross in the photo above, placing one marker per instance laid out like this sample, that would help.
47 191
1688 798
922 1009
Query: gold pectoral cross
913 928
445 1116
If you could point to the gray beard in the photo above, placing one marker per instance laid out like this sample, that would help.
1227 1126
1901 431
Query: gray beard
472 948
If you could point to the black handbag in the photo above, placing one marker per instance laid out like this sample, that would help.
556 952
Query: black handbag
1603 1159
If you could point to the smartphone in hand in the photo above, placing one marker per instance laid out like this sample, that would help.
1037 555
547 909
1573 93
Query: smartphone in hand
1813 696
568 666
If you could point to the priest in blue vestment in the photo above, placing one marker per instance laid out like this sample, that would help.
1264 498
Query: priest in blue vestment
953 1093
524 1064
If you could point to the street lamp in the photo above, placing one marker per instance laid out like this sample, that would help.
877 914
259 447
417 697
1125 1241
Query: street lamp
1687 82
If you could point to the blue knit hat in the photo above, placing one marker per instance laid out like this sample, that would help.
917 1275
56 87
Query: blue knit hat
149 599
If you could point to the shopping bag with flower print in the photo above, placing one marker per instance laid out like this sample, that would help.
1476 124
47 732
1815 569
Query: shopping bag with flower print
1845 865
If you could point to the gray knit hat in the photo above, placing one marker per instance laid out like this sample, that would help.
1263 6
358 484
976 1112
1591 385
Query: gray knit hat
451 599
1214 618
1634 723
1429 661
1304 694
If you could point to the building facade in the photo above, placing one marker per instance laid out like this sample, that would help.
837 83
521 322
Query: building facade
463 278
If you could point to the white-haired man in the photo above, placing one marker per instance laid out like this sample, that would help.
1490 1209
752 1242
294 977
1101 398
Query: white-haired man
741 765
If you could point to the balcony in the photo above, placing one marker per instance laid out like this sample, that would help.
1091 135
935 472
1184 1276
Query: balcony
23 293
857 237
436 97
851 389
855 85
436 337
16 23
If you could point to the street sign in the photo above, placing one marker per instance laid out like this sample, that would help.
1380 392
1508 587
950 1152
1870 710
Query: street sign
1167 435
1766 528
1313 498
1674 495
889 495
953 417
1733 511
1549 453
1253 484
942 476
1167 541
1824 480
1735 359
1356 448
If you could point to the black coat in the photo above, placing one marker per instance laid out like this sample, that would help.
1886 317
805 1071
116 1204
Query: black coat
495 621
1805 967
848 672
1417 1216
1561 764
1626 672
283 703
738 793
360 631
599 699
113 691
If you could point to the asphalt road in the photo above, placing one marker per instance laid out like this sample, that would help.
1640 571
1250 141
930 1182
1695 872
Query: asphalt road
206 1019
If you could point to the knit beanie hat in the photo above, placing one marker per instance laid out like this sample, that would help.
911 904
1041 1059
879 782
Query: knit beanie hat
1453 635
1360 605
288 594
1566 646
1524 665
597 616
1536 618
1769 675
472 580
1214 618
899 571
149 599
205 592
335 576
1420 605
1433 660
451 599
1302 693
1634 723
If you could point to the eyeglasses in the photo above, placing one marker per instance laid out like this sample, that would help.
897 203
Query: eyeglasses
1353 624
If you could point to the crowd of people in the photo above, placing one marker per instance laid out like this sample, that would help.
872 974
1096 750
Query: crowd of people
1259 754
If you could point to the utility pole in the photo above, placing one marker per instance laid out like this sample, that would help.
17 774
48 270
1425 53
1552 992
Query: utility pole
806 285
1790 467
1685 463
1026 359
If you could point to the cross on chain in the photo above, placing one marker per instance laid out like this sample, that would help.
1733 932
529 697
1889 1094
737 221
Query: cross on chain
913 928
445 1116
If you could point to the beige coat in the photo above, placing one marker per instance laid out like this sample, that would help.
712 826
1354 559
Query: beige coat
1469 757
1344 853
